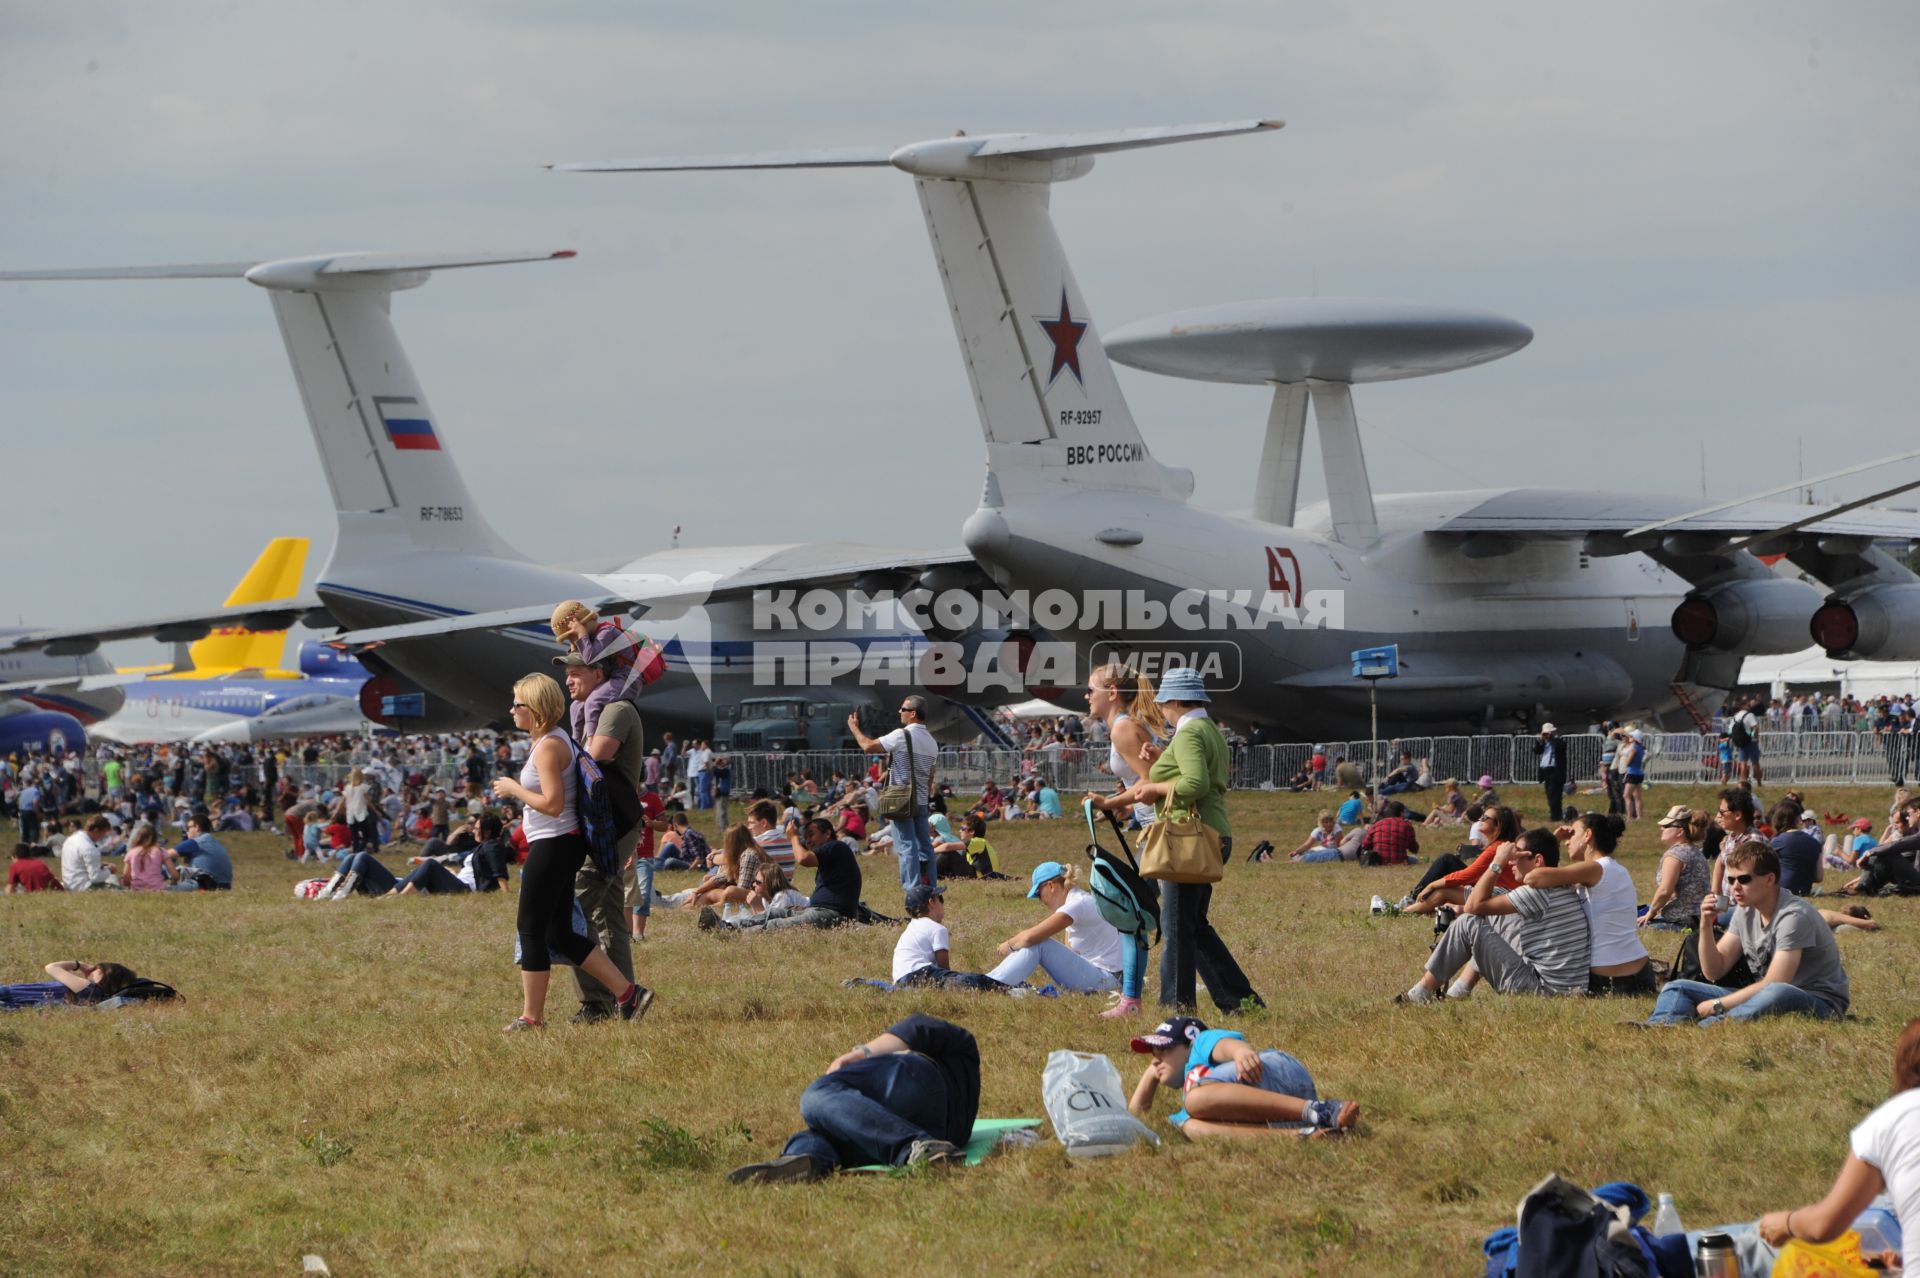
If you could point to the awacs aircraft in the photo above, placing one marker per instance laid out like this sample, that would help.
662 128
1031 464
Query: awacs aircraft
431 593
229 686
1508 605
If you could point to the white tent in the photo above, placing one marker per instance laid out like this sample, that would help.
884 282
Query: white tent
1865 680
1037 709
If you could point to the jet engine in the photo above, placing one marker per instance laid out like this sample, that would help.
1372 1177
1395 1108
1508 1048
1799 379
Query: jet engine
1879 625
1754 618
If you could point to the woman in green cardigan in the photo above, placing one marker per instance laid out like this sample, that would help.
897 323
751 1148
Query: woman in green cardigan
1193 770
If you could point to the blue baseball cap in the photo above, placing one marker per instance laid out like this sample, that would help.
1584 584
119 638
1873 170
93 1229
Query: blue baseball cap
1045 872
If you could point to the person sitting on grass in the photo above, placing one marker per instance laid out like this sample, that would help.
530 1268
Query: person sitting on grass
1452 808
1322 842
74 984
1620 964
1546 949
773 890
204 865
1781 937
28 873
1229 1089
1843 851
481 868
1092 957
1450 877
836 885
1683 875
1390 840
1887 868
906 1098
737 865
1883 1155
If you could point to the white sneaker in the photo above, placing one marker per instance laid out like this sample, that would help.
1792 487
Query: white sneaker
1378 905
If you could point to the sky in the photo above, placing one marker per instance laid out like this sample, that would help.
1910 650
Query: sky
1706 213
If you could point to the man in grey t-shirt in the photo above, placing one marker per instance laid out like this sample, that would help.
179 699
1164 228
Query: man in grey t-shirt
1781 936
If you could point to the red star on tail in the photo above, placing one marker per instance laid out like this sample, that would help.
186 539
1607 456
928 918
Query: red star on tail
1065 334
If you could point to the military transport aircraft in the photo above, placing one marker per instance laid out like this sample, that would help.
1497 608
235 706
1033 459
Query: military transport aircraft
1508 605
435 596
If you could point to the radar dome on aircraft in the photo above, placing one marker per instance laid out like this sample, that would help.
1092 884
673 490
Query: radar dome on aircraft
1323 339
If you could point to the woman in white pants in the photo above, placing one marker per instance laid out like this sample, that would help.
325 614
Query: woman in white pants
1090 960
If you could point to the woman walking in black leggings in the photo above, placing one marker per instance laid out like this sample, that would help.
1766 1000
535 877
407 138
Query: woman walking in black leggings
556 849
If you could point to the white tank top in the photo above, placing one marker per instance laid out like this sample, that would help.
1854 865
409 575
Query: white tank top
1612 912
1142 812
538 825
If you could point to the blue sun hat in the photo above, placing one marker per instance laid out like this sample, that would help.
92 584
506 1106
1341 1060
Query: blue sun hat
1182 683
1043 874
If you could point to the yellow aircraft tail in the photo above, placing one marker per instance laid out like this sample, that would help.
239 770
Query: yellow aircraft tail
274 575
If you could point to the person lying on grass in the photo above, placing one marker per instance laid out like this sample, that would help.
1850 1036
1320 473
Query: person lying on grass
74 984
905 1098
1231 1090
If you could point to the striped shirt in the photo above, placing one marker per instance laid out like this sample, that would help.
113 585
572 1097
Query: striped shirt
1553 935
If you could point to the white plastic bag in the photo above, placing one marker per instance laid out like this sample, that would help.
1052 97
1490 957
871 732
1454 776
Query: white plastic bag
1088 1106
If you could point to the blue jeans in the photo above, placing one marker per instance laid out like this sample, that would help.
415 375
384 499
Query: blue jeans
375 878
1279 1073
703 791
1320 854
1678 999
913 844
640 897
871 1112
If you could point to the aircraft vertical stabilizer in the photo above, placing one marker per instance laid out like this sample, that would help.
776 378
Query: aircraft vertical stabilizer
1049 405
395 487
275 575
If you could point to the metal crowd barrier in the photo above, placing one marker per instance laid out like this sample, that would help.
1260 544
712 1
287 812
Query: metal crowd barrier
1673 758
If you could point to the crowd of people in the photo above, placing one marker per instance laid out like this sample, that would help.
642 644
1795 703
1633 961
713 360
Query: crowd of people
1546 910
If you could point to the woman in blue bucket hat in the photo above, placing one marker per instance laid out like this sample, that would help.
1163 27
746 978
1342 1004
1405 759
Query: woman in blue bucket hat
1193 770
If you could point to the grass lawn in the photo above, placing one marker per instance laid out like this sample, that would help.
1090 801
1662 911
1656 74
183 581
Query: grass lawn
336 1083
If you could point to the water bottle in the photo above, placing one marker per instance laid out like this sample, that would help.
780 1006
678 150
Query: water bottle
1666 1220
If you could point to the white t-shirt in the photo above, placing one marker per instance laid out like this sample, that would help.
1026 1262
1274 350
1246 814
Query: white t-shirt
918 944
1089 935
926 752
1613 911
1888 1140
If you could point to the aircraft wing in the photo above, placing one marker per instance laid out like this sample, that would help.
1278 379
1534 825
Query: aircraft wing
661 586
77 683
184 627
1637 516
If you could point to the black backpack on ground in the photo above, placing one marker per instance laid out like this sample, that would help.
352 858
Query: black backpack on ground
141 990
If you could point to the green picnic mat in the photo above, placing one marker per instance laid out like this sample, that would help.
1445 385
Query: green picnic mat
986 1134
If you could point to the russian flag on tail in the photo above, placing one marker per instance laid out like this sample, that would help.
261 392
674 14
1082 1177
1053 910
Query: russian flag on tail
406 423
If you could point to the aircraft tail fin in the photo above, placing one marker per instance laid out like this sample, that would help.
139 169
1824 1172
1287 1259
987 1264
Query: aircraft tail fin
1050 407
274 575
387 458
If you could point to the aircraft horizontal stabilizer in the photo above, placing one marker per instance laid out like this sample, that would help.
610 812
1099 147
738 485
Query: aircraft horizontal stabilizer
1059 146
959 156
405 270
847 158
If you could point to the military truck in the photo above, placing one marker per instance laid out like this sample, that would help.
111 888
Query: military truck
789 724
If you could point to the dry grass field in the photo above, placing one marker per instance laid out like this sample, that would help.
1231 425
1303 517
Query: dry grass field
336 1083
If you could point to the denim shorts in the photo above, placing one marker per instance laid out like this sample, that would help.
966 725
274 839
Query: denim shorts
1279 1073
